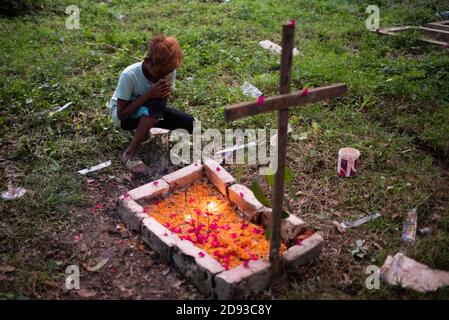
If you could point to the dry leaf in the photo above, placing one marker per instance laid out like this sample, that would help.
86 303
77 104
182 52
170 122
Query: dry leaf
6 269
86 293
340 228
4 277
99 265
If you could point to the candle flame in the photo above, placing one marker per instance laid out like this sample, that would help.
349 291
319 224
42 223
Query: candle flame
212 207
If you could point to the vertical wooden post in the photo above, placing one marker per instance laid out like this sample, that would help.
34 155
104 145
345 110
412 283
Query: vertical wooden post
288 34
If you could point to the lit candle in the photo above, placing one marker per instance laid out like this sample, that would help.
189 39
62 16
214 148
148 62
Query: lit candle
212 207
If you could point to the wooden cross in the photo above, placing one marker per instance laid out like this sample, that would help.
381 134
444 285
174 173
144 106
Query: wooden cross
281 104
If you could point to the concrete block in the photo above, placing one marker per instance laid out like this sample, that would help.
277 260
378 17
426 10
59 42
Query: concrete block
303 253
196 265
149 190
240 282
131 213
245 200
291 227
185 176
218 176
159 238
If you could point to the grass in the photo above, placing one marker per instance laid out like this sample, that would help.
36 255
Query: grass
396 113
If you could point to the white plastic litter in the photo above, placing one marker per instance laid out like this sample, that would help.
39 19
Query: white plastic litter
403 271
13 192
424 231
275 48
274 138
356 223
237 147
62 108
410 226
249 90
95 168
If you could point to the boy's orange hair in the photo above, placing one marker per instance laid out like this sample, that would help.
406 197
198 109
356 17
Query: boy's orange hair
164 54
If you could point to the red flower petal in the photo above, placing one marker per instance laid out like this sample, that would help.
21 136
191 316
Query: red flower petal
246 263
201 254
293 22
243 226
241 194
305 91
218 169
260 100
155 183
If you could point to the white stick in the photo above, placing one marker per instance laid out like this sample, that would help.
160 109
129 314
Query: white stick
236 147
64 107
95 168
360 221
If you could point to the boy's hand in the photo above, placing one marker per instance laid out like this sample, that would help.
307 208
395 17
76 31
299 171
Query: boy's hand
162 89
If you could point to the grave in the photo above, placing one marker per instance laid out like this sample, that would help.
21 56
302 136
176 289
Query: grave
141 209
434 33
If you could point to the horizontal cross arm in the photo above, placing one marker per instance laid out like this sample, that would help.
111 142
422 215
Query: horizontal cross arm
246 109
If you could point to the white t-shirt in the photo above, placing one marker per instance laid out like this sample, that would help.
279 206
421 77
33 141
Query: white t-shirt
133 83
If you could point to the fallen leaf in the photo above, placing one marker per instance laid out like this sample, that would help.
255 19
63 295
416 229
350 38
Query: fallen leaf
99 265
6 269
339 227
4 277
86 293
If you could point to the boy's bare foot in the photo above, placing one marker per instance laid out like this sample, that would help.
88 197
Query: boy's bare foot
134 165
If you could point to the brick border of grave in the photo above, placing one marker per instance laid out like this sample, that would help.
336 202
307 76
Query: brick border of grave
201 269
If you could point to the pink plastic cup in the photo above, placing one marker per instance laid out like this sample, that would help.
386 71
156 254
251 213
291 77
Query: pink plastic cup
348 162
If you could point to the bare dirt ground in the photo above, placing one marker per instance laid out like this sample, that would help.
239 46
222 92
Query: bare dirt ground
131 270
